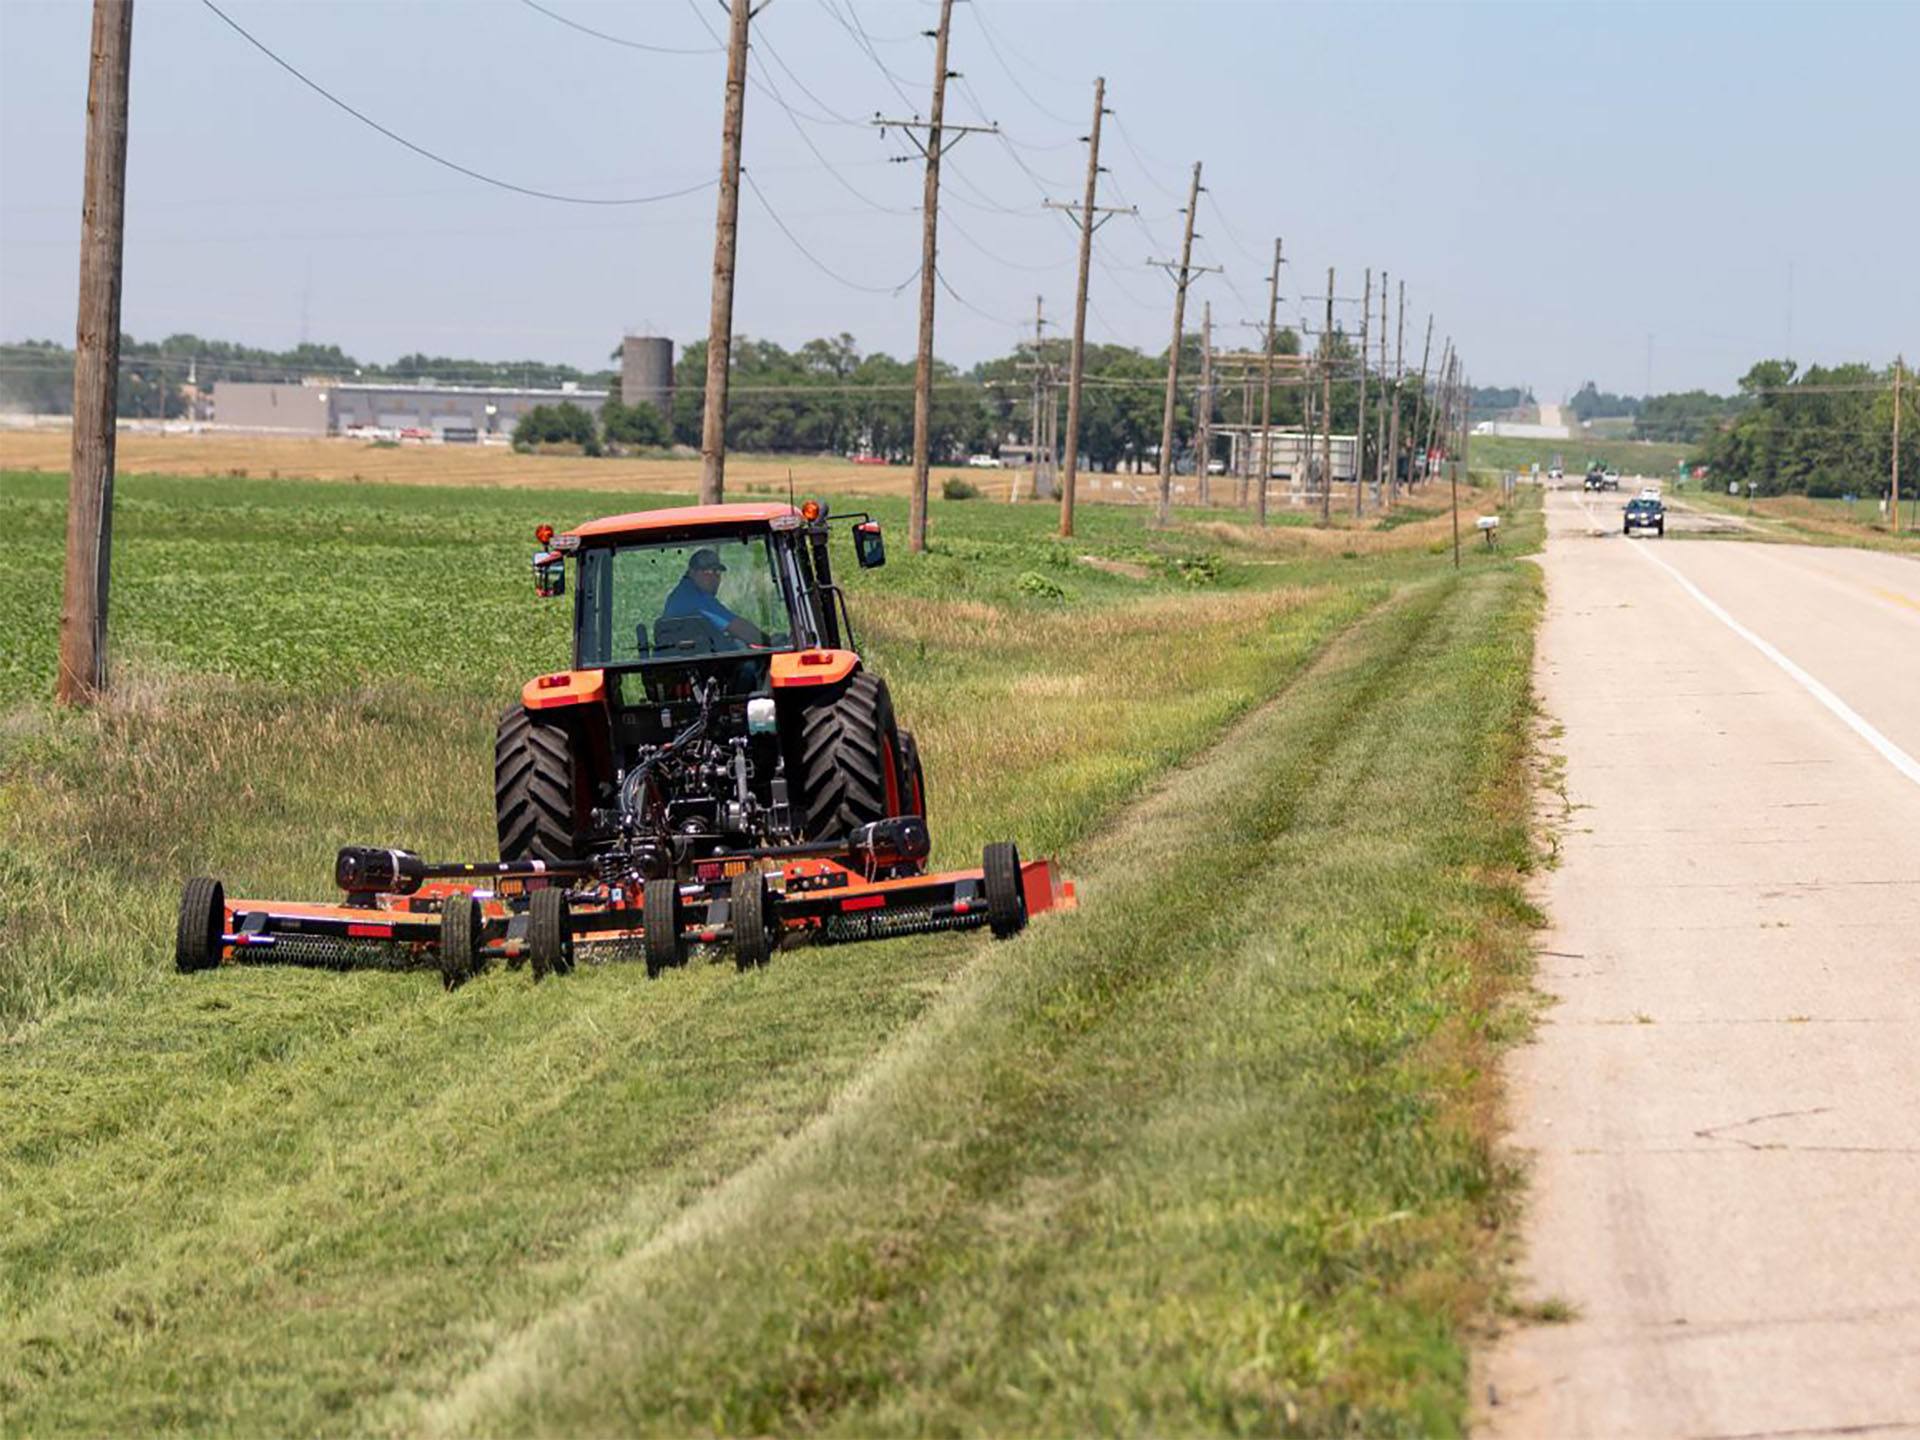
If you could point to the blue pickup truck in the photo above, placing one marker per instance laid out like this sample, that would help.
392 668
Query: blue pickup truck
1645 512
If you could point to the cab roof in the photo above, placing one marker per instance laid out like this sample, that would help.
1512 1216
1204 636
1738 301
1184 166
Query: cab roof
684 517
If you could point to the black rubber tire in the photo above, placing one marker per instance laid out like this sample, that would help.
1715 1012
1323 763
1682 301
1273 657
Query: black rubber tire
1661 529
459 954
549 933
750 912
664 918
539 804
848 758
913 779
203 916
1006 901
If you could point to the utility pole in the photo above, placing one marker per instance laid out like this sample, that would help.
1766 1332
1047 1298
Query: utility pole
1360 420
1393 429
1899 365
1453 473
96 362
1181 281
1326 409
1442 398
1033 449
1415 432
1077 363
726 234
1265 471
1204 447
933 147
1380 410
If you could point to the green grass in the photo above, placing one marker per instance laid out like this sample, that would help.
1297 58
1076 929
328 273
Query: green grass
1802 520
1212 1153
1632 457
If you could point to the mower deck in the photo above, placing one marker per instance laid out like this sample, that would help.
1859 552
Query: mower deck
460 918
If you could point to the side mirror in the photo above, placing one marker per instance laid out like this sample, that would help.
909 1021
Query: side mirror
868 548
549 574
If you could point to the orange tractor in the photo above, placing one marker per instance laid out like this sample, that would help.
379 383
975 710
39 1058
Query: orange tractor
718 767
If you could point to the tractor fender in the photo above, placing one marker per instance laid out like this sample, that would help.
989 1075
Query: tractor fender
567 687
796 668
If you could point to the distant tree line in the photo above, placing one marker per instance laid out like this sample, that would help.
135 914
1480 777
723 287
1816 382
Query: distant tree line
159 379
1823 431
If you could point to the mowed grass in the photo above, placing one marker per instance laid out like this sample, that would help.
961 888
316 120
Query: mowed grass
272 1200
1804 520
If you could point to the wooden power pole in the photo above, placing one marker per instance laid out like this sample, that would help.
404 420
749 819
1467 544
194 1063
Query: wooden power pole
1399 367
1326 409
1264 473
726 234
1380 410
940 136
1899 366
1181 280
1414 430
96 361
1033 447
1091 217
1203 446
1360 418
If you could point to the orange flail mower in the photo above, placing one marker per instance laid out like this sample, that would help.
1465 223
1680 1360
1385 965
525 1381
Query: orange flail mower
716 767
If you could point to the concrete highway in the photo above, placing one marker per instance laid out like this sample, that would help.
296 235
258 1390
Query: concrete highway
1722 1103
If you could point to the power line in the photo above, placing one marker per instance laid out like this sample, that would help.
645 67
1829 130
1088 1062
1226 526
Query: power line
1140 160
964 303
815 260
986 33
1001 259
620 39
437 159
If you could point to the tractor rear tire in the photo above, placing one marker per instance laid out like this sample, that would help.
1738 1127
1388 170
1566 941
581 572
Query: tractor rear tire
1006 900
663 918
459 940
750 912
203 915
849 759
549 933
537 791
913 780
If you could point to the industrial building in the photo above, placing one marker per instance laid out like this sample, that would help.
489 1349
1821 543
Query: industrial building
444 412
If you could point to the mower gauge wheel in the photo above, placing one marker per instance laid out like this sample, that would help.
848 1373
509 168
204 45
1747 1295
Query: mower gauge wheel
203 915
549 933
750 910
1006 901
459 940
663 918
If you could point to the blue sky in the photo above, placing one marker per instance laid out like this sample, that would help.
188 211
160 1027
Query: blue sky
1613 192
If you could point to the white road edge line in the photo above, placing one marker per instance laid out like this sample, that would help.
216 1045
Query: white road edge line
1890 752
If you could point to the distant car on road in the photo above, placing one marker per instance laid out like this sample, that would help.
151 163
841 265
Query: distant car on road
983 462
1611 479
1646 512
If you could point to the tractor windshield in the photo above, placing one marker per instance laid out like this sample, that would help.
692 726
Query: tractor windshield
679 600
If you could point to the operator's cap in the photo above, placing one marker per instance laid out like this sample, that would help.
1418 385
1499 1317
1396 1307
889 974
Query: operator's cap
705 558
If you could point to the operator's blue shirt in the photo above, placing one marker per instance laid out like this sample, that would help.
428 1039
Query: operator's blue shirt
689 599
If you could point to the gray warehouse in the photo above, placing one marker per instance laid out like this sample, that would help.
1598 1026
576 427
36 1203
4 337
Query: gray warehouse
323 408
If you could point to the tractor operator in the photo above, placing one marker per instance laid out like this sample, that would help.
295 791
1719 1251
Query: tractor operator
698 594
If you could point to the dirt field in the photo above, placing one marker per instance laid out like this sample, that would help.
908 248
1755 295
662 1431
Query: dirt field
264 457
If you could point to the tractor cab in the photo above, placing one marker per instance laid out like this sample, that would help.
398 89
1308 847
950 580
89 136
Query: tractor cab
715 699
